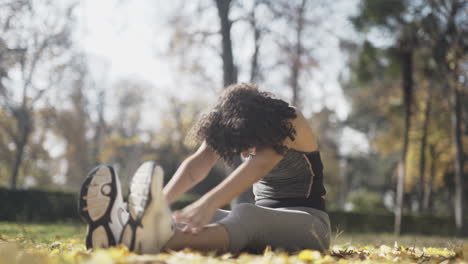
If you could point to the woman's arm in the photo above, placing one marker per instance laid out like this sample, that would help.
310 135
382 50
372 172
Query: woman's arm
192 170
199 213
243 177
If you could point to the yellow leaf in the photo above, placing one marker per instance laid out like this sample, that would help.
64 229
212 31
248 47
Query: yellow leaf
119 252
308 255
102 257
55 252
385 249
465 252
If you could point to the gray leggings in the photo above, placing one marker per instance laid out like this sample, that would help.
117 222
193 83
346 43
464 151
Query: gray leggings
252 227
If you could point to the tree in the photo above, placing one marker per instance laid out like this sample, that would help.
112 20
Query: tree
297 51
399 19
445 28
123 144
450 53
297 39
257 31
422 153
39 42
73 124
229 69
412 32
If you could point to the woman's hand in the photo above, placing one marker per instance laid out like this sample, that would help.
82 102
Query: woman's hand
195 216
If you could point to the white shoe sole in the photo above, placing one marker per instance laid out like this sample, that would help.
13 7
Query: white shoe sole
97 197
147 206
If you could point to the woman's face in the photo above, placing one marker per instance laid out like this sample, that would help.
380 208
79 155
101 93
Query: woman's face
247 153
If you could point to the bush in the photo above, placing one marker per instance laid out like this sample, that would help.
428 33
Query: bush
37 206
360 222
367 201
47 206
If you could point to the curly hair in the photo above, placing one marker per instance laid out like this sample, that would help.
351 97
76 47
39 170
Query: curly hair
245 117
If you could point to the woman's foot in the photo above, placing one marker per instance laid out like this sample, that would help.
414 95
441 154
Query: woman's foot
102 207
150 225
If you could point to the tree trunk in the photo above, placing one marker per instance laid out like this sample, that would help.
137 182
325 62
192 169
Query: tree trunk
458 157
17 164
254 68
422 154
23 121
427 205
296 63
229 69
99 129
407 74
344 183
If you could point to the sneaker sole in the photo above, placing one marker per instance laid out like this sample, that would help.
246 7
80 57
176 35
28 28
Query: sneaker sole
97 197
138 201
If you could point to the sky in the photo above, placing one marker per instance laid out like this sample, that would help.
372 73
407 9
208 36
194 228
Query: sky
127 39
123 35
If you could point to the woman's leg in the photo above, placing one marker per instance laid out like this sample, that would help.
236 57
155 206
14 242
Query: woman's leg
254 227
219 215
212 237
291 229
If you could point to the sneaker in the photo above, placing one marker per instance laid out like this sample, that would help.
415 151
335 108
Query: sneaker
150 225
102 207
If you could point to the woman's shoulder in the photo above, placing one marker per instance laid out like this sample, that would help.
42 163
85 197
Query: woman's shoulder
305 138
299 121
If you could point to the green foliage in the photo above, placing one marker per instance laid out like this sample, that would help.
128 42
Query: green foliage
38 206
370 171
49 206
379 12
374 88
368 201
371 222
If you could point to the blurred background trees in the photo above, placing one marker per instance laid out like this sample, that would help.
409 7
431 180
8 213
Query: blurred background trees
399 147
35 42
422 37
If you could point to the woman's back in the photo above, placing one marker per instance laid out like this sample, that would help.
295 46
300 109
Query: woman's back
296 181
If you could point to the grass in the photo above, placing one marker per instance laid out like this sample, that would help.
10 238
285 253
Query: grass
64 243
49 233
41 233
404 240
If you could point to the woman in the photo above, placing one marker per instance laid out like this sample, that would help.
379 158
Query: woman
283 165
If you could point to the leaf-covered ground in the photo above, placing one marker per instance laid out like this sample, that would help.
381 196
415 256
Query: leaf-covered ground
63 243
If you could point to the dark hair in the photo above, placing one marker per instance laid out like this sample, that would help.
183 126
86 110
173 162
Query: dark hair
245 117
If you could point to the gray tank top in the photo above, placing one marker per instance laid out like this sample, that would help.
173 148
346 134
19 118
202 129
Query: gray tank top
297 179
